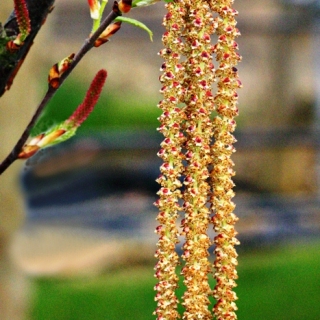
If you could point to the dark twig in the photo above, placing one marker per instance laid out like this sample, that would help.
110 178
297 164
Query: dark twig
88 44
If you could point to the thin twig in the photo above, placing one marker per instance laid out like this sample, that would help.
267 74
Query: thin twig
88 44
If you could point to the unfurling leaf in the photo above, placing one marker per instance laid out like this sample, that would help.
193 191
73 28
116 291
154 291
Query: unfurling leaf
94 9
135 23
58 69
125 5
143 3
107 33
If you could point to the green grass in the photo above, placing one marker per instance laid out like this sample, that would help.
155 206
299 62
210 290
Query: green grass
281 284
126 294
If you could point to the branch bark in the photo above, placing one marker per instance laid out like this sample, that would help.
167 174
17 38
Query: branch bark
38 12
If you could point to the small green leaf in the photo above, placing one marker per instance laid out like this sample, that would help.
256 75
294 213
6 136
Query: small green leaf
143 3
66 136
135 23
70 132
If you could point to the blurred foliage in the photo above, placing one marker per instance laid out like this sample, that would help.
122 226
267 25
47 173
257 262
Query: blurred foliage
280 284
116 110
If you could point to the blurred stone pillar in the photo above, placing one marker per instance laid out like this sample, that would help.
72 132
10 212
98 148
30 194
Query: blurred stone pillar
16 107
277 96
13 118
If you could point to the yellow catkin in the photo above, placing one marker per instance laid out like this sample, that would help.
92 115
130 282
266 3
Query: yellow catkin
171 153
222 149
199 76
194 144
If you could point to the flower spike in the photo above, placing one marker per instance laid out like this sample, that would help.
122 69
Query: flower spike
65 130
22 14
90 100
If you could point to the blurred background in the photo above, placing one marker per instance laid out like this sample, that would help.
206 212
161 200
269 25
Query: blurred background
85 208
